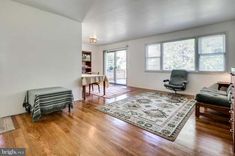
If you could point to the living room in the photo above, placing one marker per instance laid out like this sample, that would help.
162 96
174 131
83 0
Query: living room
87 77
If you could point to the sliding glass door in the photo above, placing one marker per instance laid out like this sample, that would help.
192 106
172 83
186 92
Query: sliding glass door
109 66
115 66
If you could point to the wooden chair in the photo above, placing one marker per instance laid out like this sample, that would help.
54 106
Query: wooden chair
96 83
213 99
222 109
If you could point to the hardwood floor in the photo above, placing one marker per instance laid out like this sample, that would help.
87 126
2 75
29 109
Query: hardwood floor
87 131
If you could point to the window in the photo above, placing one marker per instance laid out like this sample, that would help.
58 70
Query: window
179 55
212 53
153 57
208 55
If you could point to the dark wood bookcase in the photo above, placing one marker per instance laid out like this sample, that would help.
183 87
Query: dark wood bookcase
232 119
86 62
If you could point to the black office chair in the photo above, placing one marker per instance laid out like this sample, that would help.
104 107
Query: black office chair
178 81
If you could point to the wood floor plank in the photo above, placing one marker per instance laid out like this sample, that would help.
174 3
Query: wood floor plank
88 132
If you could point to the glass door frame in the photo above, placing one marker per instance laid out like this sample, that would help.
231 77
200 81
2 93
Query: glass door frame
115 64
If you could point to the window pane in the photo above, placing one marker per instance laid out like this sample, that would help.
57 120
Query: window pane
179 55
211 63
212 44
153 64
153 50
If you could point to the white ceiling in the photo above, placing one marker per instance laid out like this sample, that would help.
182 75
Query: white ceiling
117 20
73 9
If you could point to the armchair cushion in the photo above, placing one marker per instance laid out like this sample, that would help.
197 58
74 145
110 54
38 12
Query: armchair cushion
213 91
176 87
229 89
213 97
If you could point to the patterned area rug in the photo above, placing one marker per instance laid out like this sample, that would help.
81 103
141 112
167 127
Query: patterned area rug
161 114
6 125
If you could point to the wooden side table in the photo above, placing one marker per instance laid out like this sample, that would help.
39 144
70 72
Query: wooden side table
223 84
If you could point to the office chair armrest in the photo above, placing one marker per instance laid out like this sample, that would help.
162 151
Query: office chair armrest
167 80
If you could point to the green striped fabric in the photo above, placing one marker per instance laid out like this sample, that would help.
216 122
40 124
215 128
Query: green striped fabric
47 100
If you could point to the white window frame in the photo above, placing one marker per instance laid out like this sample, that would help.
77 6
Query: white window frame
147 57
212 54
197 55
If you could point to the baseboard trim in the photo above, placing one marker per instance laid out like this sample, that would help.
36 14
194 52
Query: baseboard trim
147 89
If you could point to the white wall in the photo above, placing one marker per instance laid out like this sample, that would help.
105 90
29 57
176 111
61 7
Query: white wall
37 49
137 76
96 60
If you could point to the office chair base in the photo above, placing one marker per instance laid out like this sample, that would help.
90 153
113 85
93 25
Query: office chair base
176 98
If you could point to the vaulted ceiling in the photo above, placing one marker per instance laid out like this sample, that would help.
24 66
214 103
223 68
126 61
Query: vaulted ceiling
117 20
